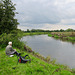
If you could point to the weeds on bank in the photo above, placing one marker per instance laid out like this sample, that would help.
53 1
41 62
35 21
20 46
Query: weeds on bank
64 36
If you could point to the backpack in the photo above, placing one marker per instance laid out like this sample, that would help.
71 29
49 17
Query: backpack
23 60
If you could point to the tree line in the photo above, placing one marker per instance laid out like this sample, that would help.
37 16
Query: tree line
7 14
40 30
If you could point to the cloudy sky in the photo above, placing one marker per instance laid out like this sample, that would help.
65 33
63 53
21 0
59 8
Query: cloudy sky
45 14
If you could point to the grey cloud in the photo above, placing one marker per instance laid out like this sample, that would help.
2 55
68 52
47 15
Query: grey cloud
44 11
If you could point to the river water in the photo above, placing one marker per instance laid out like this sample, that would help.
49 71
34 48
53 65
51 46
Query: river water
63 52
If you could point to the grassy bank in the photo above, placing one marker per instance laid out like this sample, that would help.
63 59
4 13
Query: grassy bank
34 33
8 66
65 36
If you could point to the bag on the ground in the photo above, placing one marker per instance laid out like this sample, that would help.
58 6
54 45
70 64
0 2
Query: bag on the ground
23 60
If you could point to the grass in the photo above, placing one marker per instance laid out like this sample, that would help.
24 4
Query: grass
64 33
34 33
64 36
8 66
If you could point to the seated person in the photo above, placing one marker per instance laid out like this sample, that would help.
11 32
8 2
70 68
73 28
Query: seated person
10 50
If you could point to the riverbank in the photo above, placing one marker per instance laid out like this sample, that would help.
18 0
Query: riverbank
37 65
8 66
64 36
34 33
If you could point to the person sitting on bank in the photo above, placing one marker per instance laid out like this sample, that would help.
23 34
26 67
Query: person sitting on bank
10 51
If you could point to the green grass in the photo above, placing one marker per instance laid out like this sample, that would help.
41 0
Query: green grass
36 67
65 36
34 33
50 35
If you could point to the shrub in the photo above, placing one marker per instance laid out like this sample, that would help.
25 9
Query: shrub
14 37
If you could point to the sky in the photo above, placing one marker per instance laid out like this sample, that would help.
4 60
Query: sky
45 14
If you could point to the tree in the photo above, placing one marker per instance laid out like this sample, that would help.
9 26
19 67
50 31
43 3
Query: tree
61 30
1 15
8 22
28 30
69 30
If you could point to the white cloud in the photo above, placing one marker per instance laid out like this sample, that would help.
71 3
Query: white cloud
69 1
40 12
57 27
67 21
46 27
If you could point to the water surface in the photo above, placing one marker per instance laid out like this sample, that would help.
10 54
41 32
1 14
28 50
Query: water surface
63 52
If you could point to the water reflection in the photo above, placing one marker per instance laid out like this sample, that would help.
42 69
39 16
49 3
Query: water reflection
63 52
65 40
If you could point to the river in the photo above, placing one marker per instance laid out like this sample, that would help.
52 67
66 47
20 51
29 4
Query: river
63 52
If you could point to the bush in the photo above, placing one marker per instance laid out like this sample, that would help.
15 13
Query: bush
5 38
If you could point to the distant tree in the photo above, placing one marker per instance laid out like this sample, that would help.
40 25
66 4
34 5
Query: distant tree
56 30
28 30
8 22
69 30
61 30
39 30
33 30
